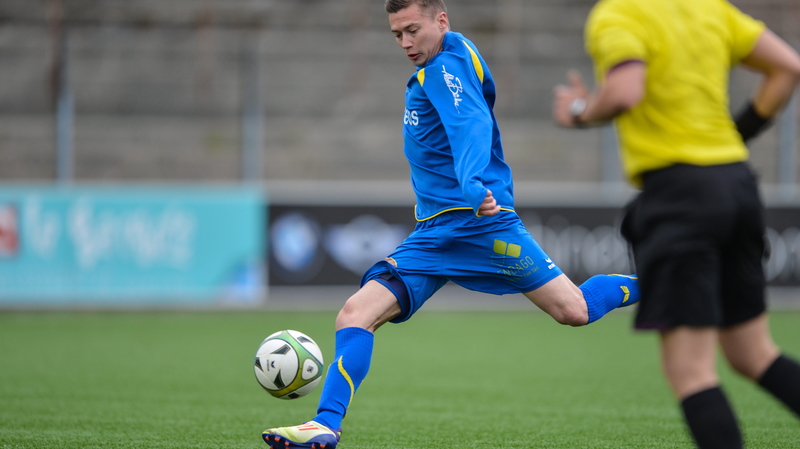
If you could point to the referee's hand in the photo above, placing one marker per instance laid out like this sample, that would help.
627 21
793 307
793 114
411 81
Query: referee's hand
565 95
489 206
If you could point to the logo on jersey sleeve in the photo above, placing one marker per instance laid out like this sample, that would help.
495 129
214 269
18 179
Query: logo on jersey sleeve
411 118
454 84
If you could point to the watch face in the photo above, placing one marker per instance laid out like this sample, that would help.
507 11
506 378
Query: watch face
577 107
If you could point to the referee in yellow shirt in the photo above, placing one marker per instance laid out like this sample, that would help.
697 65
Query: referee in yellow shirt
697 227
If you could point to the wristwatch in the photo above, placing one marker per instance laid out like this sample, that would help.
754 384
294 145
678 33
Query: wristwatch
576 108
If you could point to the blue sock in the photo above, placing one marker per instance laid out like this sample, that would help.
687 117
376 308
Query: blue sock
349 368
606 292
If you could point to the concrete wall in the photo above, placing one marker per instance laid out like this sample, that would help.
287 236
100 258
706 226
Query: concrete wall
159 86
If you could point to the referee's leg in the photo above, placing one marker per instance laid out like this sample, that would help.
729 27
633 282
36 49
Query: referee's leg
688 357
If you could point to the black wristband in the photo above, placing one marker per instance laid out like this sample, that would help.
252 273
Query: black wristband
749 123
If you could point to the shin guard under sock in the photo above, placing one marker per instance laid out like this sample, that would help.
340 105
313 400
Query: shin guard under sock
606 292
349 368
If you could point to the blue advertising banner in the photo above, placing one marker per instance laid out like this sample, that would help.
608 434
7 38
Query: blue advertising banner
105 245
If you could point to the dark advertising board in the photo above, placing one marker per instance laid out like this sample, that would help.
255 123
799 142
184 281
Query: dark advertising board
334 245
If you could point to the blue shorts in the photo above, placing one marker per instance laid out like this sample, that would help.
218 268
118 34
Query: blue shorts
494 255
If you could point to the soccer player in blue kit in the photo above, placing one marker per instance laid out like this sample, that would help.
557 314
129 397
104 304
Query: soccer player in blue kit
467 231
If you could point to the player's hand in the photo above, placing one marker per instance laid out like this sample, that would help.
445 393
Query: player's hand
489 206
563 96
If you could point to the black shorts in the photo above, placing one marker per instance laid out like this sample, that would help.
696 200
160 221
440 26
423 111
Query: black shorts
697 235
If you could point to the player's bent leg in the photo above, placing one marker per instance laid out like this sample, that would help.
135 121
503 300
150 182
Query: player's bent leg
310 435
577 306
561 299
369 308
606 292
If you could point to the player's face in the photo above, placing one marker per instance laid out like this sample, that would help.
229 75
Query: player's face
419 34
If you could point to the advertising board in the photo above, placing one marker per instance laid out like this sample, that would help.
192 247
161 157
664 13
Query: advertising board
106 245
334 245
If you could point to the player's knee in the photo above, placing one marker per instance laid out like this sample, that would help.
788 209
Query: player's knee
571 316
369 308
574 312
576 319
348 315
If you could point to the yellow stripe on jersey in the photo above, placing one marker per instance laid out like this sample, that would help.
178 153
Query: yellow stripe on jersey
507 209
476 62
421 77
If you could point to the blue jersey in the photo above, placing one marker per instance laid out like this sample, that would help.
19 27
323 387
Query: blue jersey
451 137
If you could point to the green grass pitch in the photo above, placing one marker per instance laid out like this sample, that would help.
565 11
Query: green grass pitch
508 379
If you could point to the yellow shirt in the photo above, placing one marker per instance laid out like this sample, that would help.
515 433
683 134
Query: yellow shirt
689 47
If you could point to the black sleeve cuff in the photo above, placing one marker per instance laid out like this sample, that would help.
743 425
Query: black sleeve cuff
749 123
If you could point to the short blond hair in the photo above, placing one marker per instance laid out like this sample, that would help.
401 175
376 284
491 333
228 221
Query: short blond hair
431 6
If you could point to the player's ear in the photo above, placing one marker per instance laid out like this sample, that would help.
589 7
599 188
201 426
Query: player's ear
443 21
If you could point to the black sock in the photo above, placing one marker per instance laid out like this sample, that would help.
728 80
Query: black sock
711 420
782 379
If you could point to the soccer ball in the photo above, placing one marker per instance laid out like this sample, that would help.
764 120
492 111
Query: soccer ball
288 364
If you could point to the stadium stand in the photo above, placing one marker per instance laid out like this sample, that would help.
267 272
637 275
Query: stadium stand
159 87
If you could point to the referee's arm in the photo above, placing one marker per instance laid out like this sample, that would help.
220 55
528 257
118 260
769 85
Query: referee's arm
779 65
622 89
